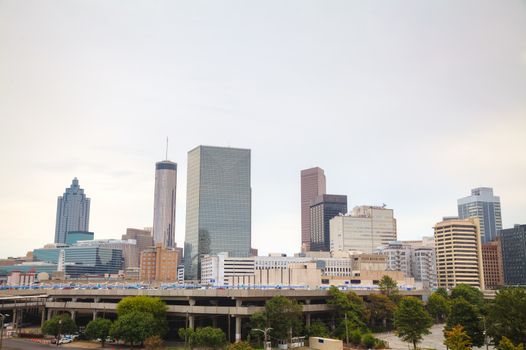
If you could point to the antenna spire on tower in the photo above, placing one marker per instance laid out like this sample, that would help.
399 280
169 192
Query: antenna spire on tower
166 148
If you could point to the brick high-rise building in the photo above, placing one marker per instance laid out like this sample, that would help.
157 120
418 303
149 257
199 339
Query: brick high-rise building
492 263
159 264
312 186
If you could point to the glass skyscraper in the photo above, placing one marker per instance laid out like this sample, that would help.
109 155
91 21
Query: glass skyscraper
483 205
322 210
72 212
164 203
218 205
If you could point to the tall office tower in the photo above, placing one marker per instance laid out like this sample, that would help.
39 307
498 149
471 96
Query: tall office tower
367 228
312 186
164 203
513 243
492 264
218 205
322 210
458 253
72 212
485 206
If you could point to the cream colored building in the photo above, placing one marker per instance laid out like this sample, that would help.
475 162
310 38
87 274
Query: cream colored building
458 253
369 279
367 228
295 274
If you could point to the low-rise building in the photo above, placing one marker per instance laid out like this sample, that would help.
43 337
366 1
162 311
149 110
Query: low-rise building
159 264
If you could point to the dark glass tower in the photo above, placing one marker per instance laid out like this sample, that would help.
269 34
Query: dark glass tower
218 205
322 210
72 212
513 245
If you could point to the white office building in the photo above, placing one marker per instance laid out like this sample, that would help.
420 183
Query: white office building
365 229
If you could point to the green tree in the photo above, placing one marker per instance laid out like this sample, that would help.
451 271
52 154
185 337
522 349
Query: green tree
134 327
389 287
468 316
457 339
412 321
438 307
349 311
257 320
443 292
145 304
283 315
60 324
208 337
99 328
506 344
316 329
242 345
381 311
507 315
471 294
368 340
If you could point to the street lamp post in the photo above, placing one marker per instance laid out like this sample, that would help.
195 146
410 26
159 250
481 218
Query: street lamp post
2 328
59 330
265 335
485 332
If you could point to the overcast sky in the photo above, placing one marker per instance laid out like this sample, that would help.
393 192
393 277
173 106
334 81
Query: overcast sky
408 103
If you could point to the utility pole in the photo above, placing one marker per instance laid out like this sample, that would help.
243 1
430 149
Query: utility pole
346 330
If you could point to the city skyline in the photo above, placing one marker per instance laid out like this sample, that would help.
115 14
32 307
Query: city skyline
395 103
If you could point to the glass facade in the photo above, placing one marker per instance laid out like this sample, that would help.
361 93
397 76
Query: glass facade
322 210
72 212
483 205
164 203
84 260
513 245
218 207
75 236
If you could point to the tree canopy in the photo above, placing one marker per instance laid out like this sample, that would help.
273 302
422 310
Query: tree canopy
282 315
99 328
412 321
206 337
148 305
457 339
506 344
468 316
471 294
60 324
381 311
438 307
134 327
507 315
348 306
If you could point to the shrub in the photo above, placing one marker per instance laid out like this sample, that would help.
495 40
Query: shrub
356 337
242 345
154 343
368 341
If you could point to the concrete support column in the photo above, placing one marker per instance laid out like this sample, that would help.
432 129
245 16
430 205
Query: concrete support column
49 314
191 321
238 329
239 302
214 321
43 317
191 302
15 320
95 315
96 299
74 300
307 319
73 315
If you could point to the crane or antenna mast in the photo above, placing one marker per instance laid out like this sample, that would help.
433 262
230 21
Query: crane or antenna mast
166 148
